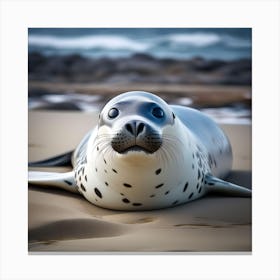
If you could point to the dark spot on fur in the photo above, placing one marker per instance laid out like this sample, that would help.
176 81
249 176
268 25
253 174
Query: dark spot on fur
136 204
158 171
96 169
98 193
192 166
215 162
122 194
199 191
175 202
159 186
106 184
210 183
97 148
68 182
166 192
125 200
105 161
198 174
105 170
127 185
190 196
186 186
83 188
153 195
80 179
86 178
114 170
197 186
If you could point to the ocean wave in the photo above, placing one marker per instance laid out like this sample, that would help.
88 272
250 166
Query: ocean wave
178 44
200 39
88 42
195 39
115 42
236 42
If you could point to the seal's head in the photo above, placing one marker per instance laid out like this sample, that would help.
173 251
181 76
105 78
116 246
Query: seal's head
133 122
140 156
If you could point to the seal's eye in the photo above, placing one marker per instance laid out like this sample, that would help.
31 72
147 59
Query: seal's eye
158 112
113 113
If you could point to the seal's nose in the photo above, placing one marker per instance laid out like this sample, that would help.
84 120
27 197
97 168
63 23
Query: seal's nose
135 127
135 136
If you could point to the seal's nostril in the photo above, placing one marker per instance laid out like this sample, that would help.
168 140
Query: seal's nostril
140 128
129 128
135 128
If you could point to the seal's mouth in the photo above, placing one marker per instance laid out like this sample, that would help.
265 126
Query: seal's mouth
136 149
148 146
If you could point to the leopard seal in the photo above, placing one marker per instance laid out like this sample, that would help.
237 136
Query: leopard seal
145 154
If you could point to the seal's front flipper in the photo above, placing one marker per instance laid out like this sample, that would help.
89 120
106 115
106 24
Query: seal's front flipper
214 184
61 160
60 180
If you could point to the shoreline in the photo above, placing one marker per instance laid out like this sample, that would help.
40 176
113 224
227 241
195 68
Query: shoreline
228 104
203 95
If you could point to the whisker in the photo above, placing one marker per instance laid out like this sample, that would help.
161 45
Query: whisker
169 149
166 154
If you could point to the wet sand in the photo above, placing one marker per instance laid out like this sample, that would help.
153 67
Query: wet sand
60 221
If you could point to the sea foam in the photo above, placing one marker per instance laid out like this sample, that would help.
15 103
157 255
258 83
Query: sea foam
87 42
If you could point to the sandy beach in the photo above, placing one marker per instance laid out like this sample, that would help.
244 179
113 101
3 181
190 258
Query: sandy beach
63 222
